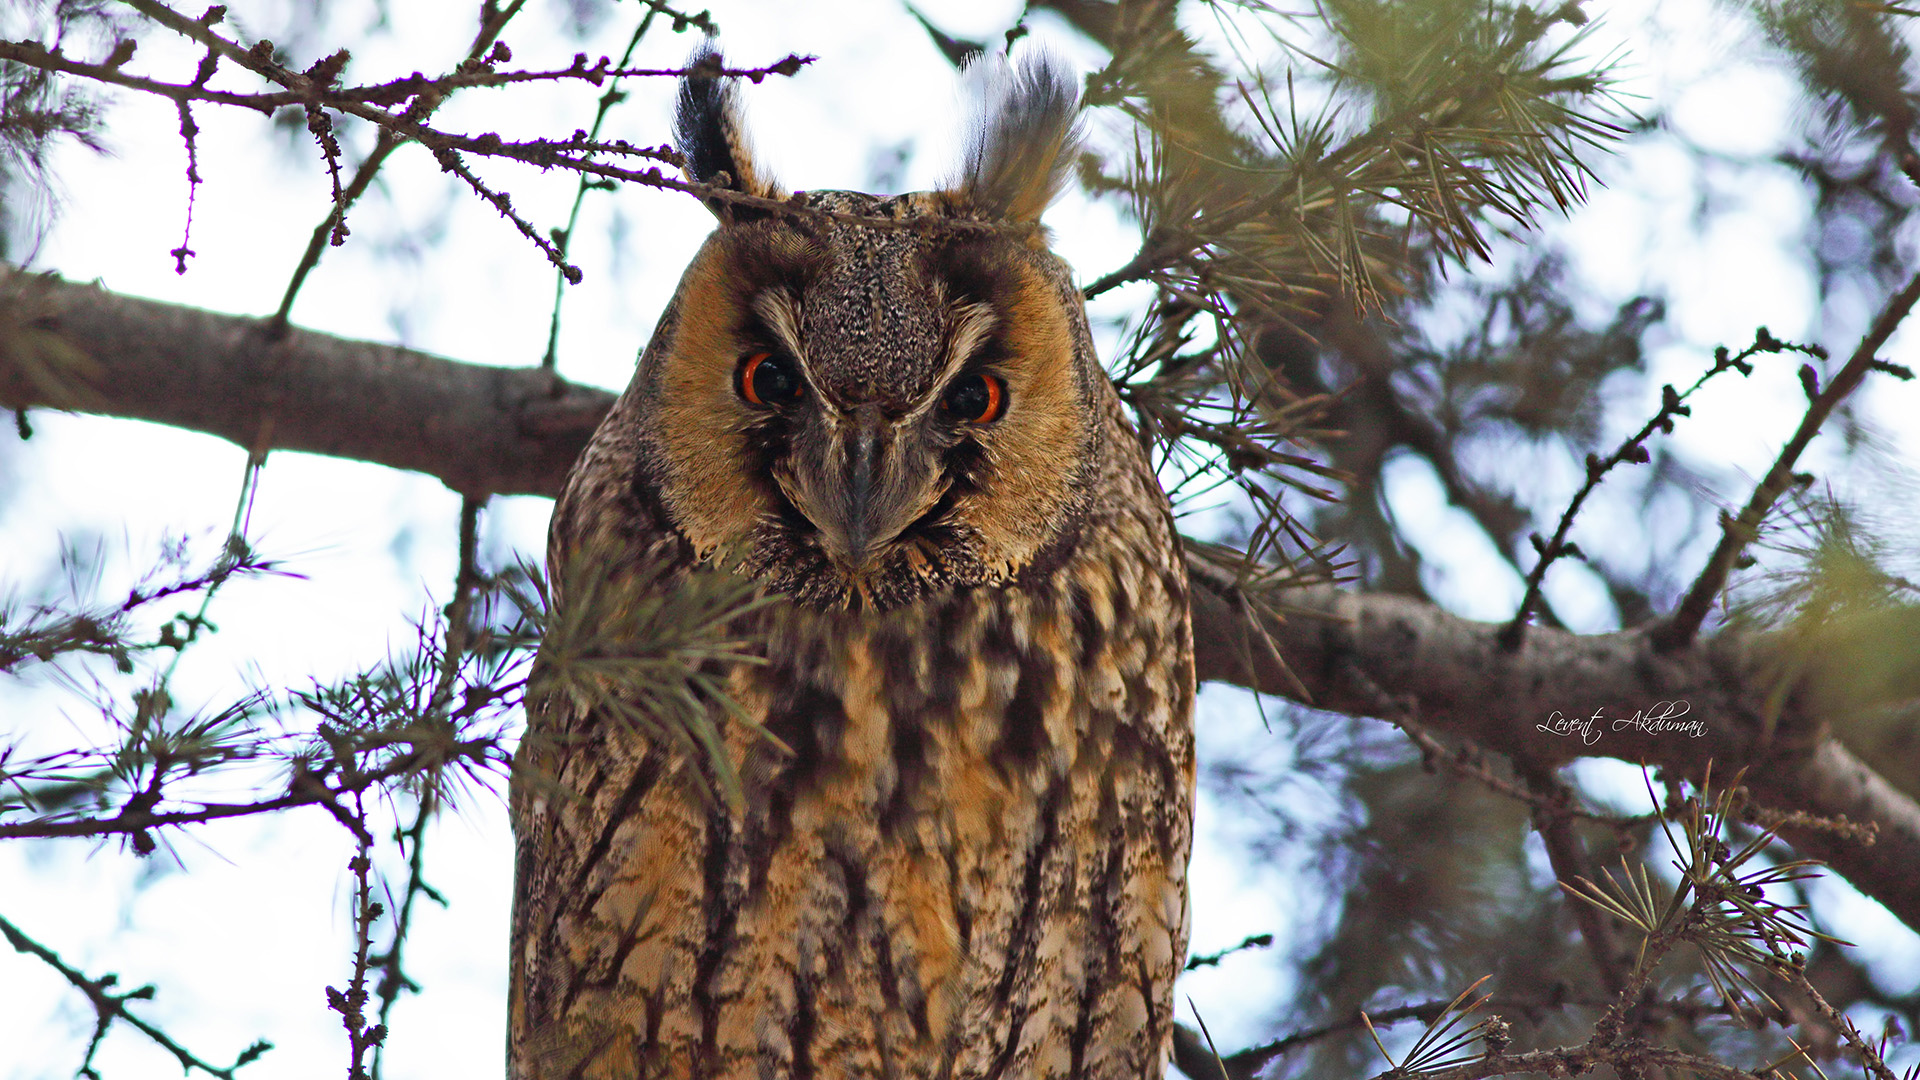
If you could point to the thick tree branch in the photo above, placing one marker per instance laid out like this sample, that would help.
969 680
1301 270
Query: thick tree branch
1619 686
482 430
504 431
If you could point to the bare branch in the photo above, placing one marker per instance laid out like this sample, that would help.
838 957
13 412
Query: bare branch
351 1003
333 230
110 1006
1469 685
1632 449
307 789
398 109
1736 533
506 430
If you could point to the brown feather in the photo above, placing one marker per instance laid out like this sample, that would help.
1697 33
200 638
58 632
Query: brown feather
965 856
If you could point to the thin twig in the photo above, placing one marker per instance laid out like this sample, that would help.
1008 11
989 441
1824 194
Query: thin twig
500 201
1737 532
109 1007
391 962
308 789
1553 820
564 238
1632 449
333 230
313 89
1871 1059
541 153
189 134
351 1003
468 583
376 95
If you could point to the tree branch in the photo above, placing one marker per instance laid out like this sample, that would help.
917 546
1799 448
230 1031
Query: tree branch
482 430
110 1005
1736 533
1469 686
505 431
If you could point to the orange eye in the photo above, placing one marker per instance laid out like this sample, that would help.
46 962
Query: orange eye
767 379
976 398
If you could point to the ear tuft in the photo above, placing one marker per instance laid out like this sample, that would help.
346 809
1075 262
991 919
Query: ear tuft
1023 141
710 130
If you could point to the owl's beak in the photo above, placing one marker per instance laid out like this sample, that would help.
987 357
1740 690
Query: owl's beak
866 492
865 510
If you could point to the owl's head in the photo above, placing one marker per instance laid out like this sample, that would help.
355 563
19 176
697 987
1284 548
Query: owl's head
864 400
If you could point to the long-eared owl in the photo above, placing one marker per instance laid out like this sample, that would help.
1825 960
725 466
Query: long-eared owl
964 743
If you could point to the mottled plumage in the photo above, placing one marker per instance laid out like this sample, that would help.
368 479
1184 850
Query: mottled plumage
970 859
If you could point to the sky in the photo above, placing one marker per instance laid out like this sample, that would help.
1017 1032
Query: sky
242 924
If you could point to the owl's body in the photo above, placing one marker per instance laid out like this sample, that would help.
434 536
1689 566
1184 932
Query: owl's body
965 857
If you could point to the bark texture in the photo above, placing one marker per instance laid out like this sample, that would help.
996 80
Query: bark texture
515 431
1375 655
482 430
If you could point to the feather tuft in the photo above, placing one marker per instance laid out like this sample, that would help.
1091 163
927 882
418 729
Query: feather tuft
1024 140
710 130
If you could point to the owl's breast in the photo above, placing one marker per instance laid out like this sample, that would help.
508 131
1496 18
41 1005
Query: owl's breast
977 844
967 861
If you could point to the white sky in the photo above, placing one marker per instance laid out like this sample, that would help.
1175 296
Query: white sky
242 943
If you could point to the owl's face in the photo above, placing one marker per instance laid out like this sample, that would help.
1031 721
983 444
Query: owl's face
861 413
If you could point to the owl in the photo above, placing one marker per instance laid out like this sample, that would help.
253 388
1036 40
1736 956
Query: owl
964 743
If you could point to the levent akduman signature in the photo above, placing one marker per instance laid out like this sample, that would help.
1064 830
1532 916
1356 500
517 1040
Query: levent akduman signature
1663 718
